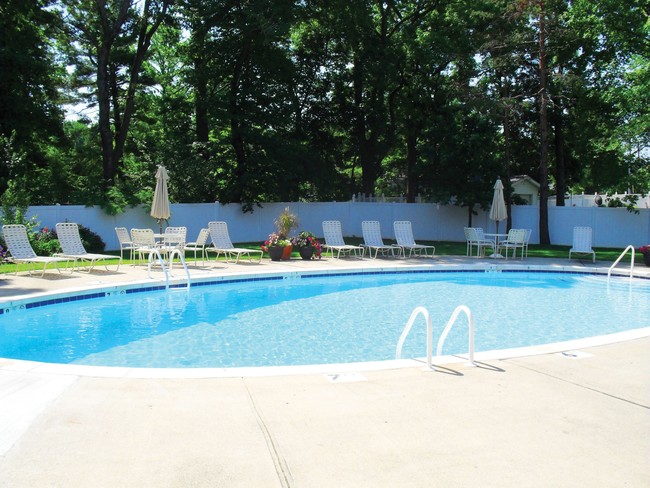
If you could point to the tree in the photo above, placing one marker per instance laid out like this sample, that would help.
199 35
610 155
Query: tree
115 38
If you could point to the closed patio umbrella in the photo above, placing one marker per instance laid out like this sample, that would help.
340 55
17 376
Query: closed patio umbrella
160 206
498 210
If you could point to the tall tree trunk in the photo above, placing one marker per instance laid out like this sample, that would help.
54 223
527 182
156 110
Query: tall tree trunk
544 237
560 170
411 158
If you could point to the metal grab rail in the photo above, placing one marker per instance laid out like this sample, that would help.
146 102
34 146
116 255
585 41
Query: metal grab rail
452 321
609 272
182 258
155 253
407 329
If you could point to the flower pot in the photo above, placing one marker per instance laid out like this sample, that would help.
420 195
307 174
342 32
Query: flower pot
275 252
286 253
306 252
646 259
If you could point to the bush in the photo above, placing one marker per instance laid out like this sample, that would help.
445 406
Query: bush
45 242
92 242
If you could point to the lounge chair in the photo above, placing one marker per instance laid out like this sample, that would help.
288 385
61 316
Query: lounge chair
73 248
582 242
404 237
15 236
126 244
372 240
221 244
475 237
199 245
516 240
333 236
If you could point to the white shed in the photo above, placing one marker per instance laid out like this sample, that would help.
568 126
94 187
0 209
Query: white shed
526 188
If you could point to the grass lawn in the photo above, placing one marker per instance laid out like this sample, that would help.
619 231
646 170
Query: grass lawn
442 249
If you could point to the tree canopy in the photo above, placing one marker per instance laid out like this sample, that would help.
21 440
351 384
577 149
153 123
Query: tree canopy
277 100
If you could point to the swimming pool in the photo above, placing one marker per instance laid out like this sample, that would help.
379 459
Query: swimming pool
318 319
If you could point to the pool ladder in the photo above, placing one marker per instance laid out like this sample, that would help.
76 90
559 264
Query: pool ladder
452 320
628 248
176 252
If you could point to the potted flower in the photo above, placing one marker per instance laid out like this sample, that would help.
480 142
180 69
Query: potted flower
307 245
285 223
275 246
645 250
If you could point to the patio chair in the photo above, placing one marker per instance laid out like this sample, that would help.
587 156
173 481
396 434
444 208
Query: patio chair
126 244
516 240
333 236
221 244
73 248
475 237
372 240
144 242
404 237
15 236
199 245
174 238
582 242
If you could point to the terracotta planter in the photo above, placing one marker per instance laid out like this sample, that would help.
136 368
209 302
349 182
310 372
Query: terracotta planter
286 254
306 252
275 252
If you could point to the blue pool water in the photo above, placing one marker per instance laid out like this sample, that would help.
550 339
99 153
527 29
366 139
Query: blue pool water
315 320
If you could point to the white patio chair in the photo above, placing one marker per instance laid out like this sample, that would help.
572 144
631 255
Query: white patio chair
144 242
516 240
15 236
199 245
221 244
404 237
582 242
174 238
73 248
126 244
333 236
373 241
475 237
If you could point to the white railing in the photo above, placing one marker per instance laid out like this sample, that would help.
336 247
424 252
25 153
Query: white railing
407 329
154 253
630 247
450 323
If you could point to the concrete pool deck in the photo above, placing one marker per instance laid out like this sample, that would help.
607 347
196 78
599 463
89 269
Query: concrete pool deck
575 419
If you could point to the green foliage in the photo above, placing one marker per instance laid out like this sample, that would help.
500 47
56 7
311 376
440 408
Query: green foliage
275 100
45 242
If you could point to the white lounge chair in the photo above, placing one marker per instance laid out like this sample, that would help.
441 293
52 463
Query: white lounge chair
582 242
516 240
199 245
15 236
373 241
126 244
221 244
333 236
73 248
404 237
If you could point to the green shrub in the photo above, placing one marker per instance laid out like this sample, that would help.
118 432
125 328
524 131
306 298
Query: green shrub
92 242
45 242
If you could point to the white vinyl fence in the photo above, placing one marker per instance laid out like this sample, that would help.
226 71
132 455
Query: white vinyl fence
612 227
